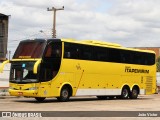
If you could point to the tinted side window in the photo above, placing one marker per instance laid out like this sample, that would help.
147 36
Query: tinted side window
86 52
151 59
51 61
126 56
100 54
114 55
140 58
137 58
77 51
53 50
148 58
72 51
95 53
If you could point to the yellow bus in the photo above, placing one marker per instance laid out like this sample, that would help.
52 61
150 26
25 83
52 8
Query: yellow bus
63 68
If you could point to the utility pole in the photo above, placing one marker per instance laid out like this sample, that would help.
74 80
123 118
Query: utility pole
54 19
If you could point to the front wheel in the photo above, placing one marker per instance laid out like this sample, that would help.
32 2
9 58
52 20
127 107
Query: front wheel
125 93
64 96
40 99
134 94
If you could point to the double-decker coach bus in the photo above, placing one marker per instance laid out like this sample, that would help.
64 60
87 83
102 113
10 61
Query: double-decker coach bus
63 68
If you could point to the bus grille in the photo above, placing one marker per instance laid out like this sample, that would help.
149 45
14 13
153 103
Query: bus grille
149 80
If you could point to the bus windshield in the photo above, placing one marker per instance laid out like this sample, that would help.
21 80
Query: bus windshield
22 72
29 49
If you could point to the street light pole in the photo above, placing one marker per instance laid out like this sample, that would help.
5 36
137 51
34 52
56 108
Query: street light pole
41 31
54 19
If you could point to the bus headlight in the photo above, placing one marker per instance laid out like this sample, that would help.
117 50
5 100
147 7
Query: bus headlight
33 88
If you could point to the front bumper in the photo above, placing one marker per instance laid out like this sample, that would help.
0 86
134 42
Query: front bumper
27 93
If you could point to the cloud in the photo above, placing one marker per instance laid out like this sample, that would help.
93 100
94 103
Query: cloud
131 23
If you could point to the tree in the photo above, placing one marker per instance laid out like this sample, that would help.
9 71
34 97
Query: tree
158 64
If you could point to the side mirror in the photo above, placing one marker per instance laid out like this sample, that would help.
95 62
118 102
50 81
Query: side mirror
35 68
2 66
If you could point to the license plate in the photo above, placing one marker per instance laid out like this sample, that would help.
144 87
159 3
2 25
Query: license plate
20 93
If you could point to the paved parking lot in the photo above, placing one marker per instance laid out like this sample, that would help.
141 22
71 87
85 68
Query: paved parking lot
143 103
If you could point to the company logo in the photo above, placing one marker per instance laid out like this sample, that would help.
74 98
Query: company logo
6 114
78 66
133 70
20 114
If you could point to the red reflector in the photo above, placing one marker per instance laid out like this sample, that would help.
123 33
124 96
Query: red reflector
20 93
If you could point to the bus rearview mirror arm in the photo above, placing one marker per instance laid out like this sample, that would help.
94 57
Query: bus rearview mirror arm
35 68
2 66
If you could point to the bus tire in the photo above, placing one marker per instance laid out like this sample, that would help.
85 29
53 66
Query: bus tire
40 99
125 93
134 93
102 97
64 95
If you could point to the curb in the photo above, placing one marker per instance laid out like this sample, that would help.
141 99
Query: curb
4 92
6 95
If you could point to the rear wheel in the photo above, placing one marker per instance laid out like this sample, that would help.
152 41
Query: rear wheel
40 99
64 96
134 93
125 93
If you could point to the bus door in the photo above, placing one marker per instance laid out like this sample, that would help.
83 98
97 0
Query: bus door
51 62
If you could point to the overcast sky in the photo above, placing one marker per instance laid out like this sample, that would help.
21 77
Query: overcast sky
131 23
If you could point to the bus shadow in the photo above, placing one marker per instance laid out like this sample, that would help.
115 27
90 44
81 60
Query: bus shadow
54 100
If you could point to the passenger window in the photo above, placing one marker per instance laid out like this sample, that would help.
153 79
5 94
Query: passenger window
72 51
86 52
53 50
51 61
48 51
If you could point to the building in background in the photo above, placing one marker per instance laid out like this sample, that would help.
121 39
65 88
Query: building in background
3 36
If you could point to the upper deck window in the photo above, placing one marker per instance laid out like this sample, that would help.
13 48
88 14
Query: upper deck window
29 49
106 54
53 50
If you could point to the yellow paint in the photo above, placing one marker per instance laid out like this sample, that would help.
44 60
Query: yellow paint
24 57
14 60
83 74
2 65
36 66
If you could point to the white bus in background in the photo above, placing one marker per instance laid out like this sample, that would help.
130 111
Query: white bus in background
4 77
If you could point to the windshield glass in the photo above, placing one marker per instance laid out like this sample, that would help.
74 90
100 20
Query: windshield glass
30 49
22 72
